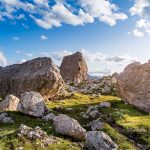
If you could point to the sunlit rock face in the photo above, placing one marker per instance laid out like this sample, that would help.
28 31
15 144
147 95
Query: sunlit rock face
40 75
133 85
74 68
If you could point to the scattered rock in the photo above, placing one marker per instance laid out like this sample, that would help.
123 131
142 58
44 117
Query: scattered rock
96 125
74 68
36 134
31 103
98 140
133 85
40 75
69 126
10 103
5 119
49 117
105 104
92 112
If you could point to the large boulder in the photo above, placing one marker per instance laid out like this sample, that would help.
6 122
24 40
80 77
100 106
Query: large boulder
10 103
133 85
69 126
32 103
40 75
74 68
98 140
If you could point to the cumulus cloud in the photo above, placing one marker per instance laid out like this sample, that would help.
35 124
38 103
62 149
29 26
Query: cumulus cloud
48 15
141 9
137 33
103 10
43 37
3 60
60 55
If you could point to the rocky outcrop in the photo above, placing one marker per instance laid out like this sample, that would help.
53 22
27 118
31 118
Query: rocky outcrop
10 103
74 68
69 126
36 134
32 103
40 75
133 85
98 140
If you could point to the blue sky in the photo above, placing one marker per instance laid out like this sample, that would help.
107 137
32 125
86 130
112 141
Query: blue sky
109 33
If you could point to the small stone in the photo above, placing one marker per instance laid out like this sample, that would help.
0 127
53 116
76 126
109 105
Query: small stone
2 116
49 117
105 104
7 120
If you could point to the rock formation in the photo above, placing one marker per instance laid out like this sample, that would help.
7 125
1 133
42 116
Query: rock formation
74 68
40 75
133 85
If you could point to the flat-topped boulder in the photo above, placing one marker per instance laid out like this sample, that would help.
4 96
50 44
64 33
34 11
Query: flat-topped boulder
133 85
74 68
40 75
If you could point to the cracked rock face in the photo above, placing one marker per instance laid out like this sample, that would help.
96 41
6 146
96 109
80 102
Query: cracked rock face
98 140
69 126
32 103
40 75
133 85
74 68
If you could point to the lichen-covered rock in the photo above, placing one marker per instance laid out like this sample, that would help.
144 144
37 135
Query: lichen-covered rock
133 85
69 126
10 103
36 134
98 140
40 75
32 103
74 68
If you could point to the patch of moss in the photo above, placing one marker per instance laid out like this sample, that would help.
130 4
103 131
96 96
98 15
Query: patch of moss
120 139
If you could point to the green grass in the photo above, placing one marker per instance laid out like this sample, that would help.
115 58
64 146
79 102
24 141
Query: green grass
129 118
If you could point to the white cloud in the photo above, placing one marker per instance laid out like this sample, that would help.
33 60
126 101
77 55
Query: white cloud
141 9
104 10
138 33
43 37
16 38
60 55
22 61
3 60
47 15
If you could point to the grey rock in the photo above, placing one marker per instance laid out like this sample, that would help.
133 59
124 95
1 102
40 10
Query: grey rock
49 117
69 126
98 140
105 104
7 120
32 103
